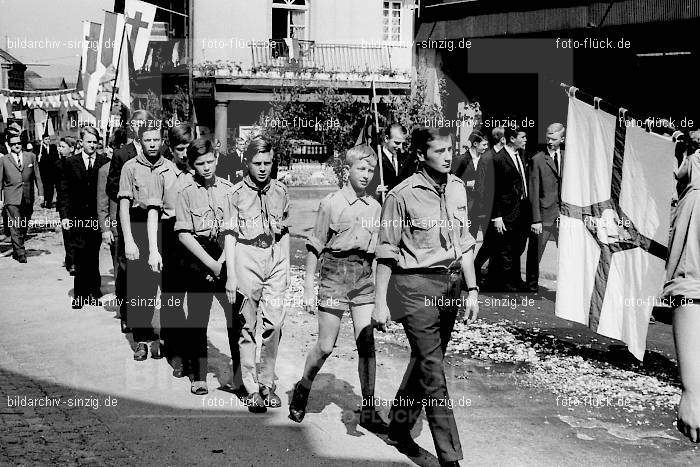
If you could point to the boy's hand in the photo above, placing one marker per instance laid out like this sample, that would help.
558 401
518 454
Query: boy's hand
500 225
155 261
471 308
231 286
309 300
108 238
65 224
215 266
380 315
131 250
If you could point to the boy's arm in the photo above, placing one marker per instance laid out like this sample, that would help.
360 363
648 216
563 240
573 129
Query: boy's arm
231 279
193 246
154 259
37 177
130 248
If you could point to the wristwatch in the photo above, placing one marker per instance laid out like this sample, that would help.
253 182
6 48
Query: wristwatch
476 287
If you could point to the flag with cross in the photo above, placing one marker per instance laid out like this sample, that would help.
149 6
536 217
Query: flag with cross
616 195
139 18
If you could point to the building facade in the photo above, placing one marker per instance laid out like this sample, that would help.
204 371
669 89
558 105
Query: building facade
245 50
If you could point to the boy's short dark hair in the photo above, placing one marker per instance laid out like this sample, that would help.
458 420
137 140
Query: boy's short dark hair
422 136
197 148
476 137
69 140
512 132
180 134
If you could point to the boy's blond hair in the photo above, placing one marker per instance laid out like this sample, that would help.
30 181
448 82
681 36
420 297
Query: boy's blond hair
359 153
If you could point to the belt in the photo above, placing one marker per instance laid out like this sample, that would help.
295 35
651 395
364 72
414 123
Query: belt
425 271
261 241
351 255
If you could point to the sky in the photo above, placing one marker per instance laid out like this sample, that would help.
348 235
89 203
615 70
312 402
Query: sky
53 28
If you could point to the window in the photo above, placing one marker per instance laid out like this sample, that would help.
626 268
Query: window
289 19
392 21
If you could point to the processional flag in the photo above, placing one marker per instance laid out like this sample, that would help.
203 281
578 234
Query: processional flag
614 225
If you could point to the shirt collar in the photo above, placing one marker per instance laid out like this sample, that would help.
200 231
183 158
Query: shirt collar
424 180
551 153
141 158
511 151
349 193
254 186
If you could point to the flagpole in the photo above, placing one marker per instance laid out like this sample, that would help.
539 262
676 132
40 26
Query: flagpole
114 87
379 146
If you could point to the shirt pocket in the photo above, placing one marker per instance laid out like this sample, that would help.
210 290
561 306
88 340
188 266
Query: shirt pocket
202 220
277 223
340 235
141 186
424 232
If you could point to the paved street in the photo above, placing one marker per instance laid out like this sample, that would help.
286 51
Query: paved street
99 406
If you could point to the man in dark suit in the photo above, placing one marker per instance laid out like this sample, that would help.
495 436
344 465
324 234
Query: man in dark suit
545 200
121 155
13 129
484 189
48 158
467 170
511 212
19 172
393 160
79 202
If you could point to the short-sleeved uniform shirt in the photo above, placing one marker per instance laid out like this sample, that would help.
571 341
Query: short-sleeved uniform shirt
140 181
172 181
418 224
254 211
201 206
346 222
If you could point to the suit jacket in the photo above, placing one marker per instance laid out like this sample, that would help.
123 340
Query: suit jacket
484 186
18 185
508 188
106 208
48 159
119 158
466 170
545 188
79 187
391 179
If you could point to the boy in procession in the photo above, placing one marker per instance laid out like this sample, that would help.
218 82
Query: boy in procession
344 238
257 258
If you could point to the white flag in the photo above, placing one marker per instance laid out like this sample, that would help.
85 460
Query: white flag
614 226
139 22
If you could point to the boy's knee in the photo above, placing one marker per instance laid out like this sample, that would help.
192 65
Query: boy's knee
325 350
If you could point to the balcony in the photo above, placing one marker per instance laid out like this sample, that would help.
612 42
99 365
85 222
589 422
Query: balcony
310 56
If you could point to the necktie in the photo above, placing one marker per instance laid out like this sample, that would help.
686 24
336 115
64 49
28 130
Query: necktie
521 170
90 162
556 162
19 161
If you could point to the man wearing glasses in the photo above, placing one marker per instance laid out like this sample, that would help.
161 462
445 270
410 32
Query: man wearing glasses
19 172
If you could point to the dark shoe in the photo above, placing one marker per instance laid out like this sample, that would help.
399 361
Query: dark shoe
71 270
157 350
77 304
449 464
178 365
21 259
255 403
239 392
199 388
271 399
297 406
141 352
404 444
371 421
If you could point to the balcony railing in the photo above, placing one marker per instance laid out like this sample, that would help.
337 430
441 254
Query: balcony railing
312 56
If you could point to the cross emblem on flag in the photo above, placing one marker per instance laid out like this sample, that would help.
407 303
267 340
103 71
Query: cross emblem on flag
614 225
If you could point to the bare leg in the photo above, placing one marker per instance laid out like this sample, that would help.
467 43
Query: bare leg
364 338
686 325
328 329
